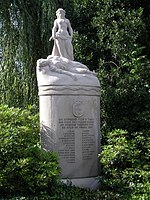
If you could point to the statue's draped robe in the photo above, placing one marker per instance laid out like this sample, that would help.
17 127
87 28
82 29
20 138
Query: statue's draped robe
62 43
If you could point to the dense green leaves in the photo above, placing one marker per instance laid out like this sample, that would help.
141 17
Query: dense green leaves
118 29
124 71
25 30
125 162
85 37
25 168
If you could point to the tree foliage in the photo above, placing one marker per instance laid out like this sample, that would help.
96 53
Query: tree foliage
85 35
25 30
123 69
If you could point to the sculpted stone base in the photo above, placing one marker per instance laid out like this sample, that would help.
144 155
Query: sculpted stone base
70 126
91 183
69 96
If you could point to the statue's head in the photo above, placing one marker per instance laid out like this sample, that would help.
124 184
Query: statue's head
61 12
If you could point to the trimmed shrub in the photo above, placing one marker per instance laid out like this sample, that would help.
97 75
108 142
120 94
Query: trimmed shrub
124 162
24 167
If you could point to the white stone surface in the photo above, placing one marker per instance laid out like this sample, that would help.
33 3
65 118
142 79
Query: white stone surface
92 183
70 126
62 71
70 118
62 35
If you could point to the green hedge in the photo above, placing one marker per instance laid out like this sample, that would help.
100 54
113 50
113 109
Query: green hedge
25 168
124 161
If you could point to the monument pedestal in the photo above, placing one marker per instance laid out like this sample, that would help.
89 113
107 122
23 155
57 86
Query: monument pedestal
91 183
70 123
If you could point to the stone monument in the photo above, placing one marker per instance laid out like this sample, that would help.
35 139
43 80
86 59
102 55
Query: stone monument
69 108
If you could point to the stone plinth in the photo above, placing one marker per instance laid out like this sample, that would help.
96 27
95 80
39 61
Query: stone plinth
70 123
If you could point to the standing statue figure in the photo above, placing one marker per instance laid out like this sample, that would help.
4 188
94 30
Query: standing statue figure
62 35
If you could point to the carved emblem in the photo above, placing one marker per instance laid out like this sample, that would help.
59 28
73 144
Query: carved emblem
77 108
